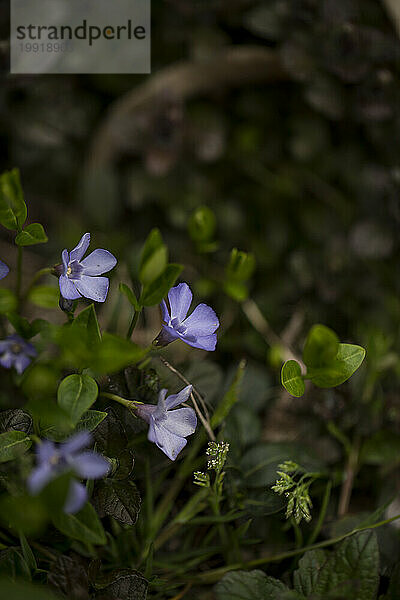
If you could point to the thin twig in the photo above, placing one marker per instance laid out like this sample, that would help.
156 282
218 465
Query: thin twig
349 475
260 323
183 592
204 420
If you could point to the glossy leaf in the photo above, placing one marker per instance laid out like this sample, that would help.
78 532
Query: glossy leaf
291 378
13 444
76 394
12 205
31 235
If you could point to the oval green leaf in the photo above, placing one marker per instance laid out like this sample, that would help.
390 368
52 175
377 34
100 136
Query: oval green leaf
291 378
76 394
13 444
31 235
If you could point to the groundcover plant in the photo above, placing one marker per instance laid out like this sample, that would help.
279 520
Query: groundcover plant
120 478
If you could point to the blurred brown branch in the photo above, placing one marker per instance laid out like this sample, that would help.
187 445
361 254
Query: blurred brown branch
232 67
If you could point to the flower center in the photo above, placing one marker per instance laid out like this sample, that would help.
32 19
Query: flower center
178 326
74 270
16 348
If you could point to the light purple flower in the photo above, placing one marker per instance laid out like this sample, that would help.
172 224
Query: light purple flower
169 428
53 460
197 329
16 352
4 270
81 277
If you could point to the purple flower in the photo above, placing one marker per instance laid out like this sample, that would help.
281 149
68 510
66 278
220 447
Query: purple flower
16 352
168 429
81 277
4 270
197 329
53 460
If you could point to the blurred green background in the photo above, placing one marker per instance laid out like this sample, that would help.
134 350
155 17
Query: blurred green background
280 116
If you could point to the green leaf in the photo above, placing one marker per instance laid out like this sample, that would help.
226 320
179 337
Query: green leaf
31 235
241 266
321 347
306 576
84 526
20 324
23 513
154 258
348 359
44 296
202 224
118 499
394 584
90 420
8 301
352 571
124 289
27 552
87 324
20 590
230 398
76 394
13 444
154 292
12 206
236 290
122 584
249 585
291 378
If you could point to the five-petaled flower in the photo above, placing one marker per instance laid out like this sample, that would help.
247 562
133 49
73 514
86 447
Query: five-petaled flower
4 270
16 352
197 329
169 428
53 460
81 277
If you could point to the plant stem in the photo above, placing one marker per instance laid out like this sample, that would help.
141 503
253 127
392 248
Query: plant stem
130 404
19 275
133 324
214 575
349 474
322 514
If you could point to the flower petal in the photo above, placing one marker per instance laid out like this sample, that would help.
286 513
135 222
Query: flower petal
21 361
207 342
68 289
182 421
45 451
90 465
94 288
176 399
39 478
76 442
98 262
161 406
7 360
168 442
80 249
76 497
65 260
180 299
4 270
164 311
203 321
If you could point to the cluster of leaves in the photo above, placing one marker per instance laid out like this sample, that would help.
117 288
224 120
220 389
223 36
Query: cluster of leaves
328 362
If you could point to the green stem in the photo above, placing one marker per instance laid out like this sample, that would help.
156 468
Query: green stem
131 404
322 514
214 575
19 275
133 324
